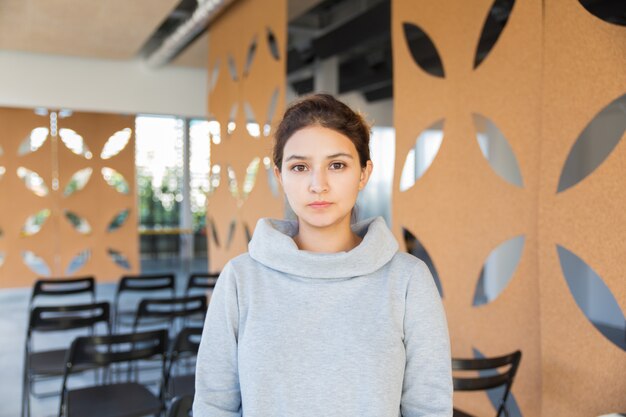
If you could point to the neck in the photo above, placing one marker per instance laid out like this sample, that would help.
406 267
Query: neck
332 239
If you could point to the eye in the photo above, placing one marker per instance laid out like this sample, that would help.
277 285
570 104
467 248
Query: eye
298 168
337 165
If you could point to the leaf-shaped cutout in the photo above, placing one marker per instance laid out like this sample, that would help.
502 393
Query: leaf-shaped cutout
594 144
246 229
214 131
115 180
1 151
33 181
251 173
231 233
2 171
610 11
119 259
35 140
78 181
75 142
35 263
273 44
80 224
421 156
118 221
423 50
593 297
497 150
415 248
250 57
498 270
495 22
231 126
65 113
232 68
214 232
253 127
232 182
270 113
116 143
271 178
214 76
2 258
78 262
495 395
34 223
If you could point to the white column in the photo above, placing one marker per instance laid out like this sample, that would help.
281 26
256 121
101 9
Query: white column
326 77
186 222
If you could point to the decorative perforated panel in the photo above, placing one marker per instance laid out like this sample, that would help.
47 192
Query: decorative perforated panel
246 97
67 177
521 208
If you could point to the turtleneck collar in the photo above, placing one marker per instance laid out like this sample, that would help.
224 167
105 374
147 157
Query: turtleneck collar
273 246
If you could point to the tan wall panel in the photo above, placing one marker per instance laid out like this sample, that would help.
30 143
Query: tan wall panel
585 63
17 203
251 90
461 209
57 243
98 202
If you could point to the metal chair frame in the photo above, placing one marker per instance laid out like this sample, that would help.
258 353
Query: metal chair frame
103 351
482 383
55 319
139 283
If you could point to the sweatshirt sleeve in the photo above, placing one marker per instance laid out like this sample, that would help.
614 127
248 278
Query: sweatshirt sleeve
217 380
427 387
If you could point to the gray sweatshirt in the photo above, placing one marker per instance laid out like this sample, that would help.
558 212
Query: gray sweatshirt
291 333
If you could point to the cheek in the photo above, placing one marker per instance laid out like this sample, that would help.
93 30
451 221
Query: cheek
291 185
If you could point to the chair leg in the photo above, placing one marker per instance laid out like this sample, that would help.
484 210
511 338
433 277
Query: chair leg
25 412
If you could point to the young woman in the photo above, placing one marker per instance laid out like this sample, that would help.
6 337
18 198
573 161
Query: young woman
321 318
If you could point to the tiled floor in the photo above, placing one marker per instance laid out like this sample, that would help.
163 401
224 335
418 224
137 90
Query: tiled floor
13 323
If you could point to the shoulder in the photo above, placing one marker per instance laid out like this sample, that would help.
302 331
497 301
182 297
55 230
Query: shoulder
410 264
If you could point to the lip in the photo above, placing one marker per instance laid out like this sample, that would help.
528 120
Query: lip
319 204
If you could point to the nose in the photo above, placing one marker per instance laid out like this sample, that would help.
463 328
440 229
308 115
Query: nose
319 182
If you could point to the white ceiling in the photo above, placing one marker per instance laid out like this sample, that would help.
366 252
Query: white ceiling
109 29
105 29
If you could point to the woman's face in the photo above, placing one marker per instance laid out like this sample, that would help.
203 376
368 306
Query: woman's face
321 176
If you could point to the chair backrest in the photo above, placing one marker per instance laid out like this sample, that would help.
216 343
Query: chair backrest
180 406
102 351
144 282
201 281
493 380
67 317
105 350
170 308
186 341
63 286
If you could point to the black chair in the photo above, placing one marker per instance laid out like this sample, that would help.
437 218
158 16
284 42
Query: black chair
45 364
185 346
152 311
180 407
127 399
204 282
138 284
492 379
55 287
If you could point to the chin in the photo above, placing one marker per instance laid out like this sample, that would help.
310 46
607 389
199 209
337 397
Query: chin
322 220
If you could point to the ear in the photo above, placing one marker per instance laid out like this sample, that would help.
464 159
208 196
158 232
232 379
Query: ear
279 177
366 172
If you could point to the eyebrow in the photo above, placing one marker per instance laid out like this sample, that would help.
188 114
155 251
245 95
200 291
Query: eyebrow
335 155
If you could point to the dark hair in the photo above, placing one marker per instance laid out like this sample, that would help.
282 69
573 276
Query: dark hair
326 111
